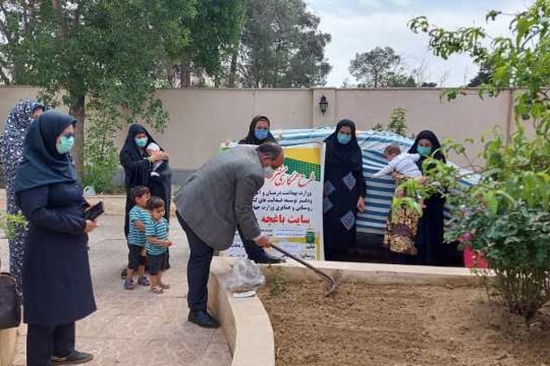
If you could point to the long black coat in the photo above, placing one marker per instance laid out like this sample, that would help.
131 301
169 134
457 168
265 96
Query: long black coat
56 271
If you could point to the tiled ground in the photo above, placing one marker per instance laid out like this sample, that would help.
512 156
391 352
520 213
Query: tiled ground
136 327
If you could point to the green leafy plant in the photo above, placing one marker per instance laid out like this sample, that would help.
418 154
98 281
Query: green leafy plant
505 216
10 223
276 280
397 124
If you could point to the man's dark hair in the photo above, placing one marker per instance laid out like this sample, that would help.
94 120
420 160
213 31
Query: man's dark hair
138 191
392 150
154 203
270 149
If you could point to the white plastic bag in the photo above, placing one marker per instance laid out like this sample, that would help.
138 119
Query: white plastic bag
245 276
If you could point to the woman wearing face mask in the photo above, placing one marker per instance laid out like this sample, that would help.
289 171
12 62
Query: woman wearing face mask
344 192
138 166
56 272
429 236
11 149
258 133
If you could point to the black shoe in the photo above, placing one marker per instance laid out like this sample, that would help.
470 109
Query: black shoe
202 319
74 358
266 259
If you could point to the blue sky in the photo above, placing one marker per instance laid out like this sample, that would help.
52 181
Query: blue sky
358 26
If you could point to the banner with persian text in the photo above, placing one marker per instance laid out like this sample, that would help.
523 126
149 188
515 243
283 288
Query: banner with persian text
289 207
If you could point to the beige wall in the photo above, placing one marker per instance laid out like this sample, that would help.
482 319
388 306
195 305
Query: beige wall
202 118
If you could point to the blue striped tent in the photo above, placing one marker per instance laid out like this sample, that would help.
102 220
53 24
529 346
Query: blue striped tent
379 190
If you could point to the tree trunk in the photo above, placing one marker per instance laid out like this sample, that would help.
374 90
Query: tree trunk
233 70
185 76
78 111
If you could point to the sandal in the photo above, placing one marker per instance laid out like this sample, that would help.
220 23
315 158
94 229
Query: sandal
157 290
164 286
129 284
143 281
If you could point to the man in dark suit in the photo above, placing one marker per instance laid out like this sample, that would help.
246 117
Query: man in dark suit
210 205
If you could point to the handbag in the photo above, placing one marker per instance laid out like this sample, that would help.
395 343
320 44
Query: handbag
10 306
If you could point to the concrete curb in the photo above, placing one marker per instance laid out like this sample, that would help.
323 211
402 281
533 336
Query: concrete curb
245 322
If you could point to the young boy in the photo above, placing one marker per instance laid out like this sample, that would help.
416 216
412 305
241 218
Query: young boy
138 218
156 233
400 162
152 149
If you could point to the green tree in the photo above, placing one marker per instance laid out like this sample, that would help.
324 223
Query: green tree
482 76
96 49
506 215
378 68
213 37
280 46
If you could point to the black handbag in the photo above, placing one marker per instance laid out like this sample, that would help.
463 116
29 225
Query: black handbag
10 306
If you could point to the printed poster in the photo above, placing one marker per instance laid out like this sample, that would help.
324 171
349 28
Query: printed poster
289 207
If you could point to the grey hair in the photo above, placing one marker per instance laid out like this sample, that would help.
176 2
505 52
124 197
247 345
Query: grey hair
270 149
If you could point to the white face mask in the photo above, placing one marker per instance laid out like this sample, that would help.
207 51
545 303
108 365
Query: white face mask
268 171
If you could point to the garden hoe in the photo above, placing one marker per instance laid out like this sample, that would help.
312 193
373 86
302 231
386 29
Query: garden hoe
331 282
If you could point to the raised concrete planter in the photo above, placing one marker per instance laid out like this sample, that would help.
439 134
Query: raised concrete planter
8 338
247 325
245 322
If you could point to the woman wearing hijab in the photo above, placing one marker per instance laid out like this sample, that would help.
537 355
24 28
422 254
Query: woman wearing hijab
258 133
11 149
138 166
429 236
344 192
56 272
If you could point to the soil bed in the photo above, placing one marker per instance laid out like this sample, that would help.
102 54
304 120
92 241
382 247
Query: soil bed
401 325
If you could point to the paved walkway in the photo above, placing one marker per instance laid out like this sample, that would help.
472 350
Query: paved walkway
136 327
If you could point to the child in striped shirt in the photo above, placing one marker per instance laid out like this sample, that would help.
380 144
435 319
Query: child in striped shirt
156 233
138 218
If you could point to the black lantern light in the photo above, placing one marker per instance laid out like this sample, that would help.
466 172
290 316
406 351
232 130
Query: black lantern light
323 104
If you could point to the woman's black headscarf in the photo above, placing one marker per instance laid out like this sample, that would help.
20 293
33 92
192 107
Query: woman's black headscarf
348 155
251 138
436 146
130 148
42 164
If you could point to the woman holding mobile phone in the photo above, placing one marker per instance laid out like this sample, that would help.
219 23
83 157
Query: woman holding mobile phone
56 271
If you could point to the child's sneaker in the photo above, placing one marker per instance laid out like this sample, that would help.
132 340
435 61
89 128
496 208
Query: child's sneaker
143 281
129 284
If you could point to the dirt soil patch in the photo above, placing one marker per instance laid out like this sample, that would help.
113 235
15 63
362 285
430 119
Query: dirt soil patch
401 325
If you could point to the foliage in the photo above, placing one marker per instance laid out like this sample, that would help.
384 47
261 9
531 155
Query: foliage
482 76
277 281
398 119
280 46
397 124
377 67
9 223
98 49
383 68
506 215
214 34
100 152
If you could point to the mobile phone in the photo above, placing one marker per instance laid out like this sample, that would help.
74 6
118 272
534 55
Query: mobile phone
94 212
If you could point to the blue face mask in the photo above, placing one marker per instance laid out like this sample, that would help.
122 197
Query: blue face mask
66 143
261 134
343 138
141 142
424 150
